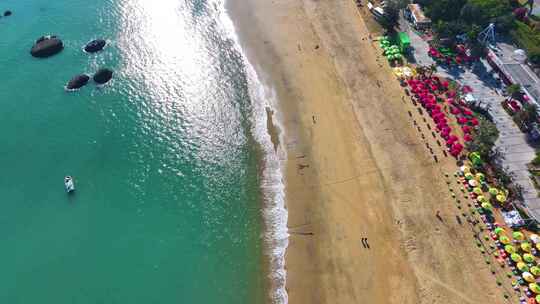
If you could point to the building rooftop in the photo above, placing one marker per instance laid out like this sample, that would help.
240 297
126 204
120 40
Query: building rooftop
418 13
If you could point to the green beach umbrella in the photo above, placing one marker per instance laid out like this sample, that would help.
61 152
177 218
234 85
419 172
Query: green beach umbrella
480 176
504 239
510 249
493 191
498 230
517 235
529 258
525 246
522 267
515 257
478 190
469 176
534 287
537 298
535 270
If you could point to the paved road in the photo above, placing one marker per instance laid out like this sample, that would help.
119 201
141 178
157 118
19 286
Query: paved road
512 142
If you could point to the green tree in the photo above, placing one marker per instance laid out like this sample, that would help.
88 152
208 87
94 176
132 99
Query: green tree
446 10
485 136
514 90
531 111
391 13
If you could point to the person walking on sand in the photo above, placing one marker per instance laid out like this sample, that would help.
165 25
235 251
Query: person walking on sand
438 215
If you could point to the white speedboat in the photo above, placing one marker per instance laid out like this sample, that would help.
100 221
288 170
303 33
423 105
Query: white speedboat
68 183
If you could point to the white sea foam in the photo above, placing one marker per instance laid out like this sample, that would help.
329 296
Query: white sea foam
276 236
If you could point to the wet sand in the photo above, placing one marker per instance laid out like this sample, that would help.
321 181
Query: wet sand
362 189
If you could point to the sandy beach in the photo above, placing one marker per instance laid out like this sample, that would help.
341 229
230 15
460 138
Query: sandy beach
362 189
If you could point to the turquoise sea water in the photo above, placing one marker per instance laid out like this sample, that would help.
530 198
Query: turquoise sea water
167 207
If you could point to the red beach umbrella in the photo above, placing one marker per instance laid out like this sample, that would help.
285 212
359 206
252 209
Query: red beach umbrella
474 121
467 138
466 129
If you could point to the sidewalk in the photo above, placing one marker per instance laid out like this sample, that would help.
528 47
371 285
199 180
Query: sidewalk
512 142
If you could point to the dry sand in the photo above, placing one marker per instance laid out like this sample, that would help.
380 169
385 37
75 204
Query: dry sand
357 166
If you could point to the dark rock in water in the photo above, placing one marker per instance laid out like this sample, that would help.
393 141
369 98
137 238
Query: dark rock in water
7 13
102 76
77 81
95 45
47 46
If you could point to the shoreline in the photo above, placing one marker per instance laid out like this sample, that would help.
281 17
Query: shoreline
267 133
356 168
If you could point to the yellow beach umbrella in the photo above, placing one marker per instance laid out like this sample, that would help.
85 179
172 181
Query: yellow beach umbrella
534 287
515 257
510 249
465 169
538 246
517 235
529 258
537 298
480 177
501 198
535 270
525 246
482 199
487 206
504 239
522 267
478 190
528 277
